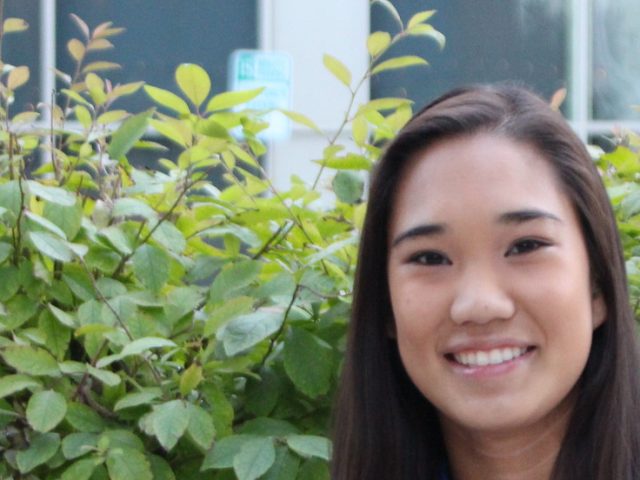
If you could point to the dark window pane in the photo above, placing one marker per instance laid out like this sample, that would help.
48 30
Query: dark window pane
161 34
487 41
616 59
22 48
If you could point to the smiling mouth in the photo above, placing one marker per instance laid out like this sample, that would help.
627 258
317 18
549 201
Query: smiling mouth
482 358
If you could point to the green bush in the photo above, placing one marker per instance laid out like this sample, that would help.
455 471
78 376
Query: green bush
151 324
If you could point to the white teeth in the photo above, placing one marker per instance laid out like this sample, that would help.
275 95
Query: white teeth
490 357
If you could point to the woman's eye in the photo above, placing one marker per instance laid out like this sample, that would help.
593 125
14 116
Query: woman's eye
430 258
525 246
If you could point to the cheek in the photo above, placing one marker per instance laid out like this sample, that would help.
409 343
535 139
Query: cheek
415 314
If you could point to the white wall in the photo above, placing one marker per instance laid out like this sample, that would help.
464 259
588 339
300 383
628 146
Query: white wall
306 29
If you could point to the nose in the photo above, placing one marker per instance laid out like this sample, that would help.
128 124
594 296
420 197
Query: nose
481 298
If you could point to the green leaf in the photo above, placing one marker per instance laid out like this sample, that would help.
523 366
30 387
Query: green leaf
314 469
56 337
80 470
420 17
254 459
108 378
6 249
337 68
10 197
200 429
398 62
118 239
225 450
227 100
308 362
245 331
378 42
168 235
52 246
137 398
194 82
151 267
233 278
76 445
84 419
348 187
190 379
160 468
167 99
42 448
135 348
52 194
32 361
68 218
123 439
10 384
310 446
46 410
20 309
170 420
127 464
128 134
285 466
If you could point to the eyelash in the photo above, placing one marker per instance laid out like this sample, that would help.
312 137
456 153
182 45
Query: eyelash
435 258
529 244
430 258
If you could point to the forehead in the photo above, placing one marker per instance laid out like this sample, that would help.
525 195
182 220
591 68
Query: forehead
482 172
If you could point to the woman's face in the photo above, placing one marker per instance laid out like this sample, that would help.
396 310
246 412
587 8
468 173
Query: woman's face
489 282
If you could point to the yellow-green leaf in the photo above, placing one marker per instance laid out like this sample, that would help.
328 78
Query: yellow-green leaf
420 17
95 85
13 24
391 9
302 120
83 115
99 44
337 68
378 42
386 103
231 99
100 66
194 82
125 89
18 77
399 62
428 31
167 99
359 130
76 49
113 116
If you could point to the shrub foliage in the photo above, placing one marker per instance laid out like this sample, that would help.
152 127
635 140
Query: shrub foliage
153 325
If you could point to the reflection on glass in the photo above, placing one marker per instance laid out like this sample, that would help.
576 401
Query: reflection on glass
616 59
487 41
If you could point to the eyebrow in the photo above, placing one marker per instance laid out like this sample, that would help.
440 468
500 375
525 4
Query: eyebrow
514 217
521 216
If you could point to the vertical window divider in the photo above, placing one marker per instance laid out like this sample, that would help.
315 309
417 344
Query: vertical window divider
580 66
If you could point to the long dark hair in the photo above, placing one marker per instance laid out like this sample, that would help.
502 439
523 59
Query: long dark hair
384 428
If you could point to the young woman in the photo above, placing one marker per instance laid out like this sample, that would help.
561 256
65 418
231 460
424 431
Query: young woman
491 336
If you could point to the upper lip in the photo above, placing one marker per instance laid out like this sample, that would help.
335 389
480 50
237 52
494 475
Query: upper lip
486 344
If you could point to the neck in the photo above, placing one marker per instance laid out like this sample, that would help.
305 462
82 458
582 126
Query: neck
527 453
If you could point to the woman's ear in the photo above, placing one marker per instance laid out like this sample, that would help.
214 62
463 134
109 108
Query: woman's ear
598 309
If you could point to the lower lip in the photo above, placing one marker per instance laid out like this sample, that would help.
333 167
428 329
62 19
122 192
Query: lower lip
490 371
